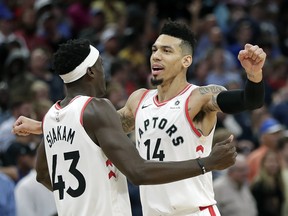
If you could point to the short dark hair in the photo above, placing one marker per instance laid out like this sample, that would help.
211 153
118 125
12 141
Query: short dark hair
182 31
70 55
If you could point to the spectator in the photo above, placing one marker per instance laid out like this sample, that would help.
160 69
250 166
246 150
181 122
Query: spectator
93 32
270 130
4 102
232 191
110 41
39 67
282 148
279 108
7 199
267 188
19 107
21 154
32 198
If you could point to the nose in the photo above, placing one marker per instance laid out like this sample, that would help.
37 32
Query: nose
156 55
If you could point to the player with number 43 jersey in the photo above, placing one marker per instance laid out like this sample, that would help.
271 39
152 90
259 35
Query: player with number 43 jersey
73 157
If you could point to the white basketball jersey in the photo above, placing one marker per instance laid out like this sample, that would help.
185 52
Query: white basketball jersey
164 132
85 180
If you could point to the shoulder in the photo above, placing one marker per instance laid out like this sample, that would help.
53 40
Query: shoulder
210 89
134 99
137 95
98 106
98 113
204 94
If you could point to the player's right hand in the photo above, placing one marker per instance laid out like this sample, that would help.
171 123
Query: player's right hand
24 126
223 155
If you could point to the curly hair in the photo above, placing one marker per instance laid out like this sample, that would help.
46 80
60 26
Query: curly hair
181 31
70 55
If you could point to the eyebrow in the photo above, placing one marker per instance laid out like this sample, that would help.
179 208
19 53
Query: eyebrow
162 46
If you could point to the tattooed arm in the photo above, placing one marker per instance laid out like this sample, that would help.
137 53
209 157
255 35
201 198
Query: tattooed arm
127 113
127 119
210 92
203 107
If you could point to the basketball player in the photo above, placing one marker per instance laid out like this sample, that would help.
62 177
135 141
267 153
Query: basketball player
84 143
177 120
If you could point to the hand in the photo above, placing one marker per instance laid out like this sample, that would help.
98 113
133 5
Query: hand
252 59
222 156
24 126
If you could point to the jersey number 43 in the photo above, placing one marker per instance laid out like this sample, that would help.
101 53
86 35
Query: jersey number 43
60 184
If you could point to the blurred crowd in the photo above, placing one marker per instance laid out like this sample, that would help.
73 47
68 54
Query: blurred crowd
123 31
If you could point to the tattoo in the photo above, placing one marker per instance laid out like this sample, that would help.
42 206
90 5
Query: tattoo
213 90
128 122
210 89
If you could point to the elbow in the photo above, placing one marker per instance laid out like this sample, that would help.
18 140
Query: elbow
138 176
136 179
255 104
39 178
42 177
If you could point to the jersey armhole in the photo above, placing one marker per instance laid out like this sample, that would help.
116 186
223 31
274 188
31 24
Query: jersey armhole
188 117
83 109
140 101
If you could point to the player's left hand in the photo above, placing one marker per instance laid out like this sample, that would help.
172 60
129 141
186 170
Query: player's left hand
252 59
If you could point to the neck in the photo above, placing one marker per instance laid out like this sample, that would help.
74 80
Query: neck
170 88
76 89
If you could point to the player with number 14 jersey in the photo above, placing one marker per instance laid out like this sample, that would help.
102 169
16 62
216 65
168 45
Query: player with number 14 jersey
165 132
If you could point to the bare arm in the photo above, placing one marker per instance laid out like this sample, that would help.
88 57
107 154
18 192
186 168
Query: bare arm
127 113
122 152
24 126
42 167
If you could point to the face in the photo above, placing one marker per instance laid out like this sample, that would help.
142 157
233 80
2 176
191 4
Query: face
166 59
239 172
271 139
271 163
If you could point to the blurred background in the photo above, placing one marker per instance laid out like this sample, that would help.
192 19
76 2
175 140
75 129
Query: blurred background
123 31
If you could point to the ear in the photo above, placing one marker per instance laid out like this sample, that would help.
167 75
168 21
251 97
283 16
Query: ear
90 72
187 61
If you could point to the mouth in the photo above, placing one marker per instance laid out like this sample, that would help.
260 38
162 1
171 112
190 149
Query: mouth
156 69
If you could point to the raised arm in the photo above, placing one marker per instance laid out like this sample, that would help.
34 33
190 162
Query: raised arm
122 152
252 59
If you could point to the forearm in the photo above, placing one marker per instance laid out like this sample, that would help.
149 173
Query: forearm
37 125
252 97
152 172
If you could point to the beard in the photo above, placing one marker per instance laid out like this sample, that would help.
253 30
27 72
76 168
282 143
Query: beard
155 82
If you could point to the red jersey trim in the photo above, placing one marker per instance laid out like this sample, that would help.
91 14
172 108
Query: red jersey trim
141 99
189 119
83 109
158 104
57 105
210 209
